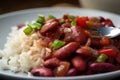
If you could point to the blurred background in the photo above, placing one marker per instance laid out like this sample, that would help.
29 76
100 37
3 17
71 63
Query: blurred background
13 5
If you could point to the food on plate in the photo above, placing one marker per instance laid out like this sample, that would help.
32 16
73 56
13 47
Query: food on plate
56 47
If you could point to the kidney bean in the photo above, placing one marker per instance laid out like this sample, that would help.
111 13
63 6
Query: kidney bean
49 25
85 51
101 19
95 43
67 37
48 56
66 25
111 60
66 50
53 34
44 72
117 42
88 72
79 35
51 63
20 26
72 72
65 16
108 22
102 67
118 58
79 63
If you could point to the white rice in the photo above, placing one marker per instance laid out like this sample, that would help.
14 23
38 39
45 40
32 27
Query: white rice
22 52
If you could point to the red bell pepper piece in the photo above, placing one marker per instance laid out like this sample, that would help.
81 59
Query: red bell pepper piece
109 52
81 21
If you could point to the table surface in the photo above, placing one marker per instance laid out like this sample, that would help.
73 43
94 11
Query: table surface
14 5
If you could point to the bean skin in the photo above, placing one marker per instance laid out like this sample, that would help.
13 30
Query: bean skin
79 63
79 35
20 26
101 19
48 56
85 51
102 67
66 50
118 58
95 43
44 72
52 63
72 72
49 25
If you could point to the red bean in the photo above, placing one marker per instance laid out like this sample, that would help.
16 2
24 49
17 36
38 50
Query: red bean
52 63
88 72
72 72
79 35
95 42
66 50
65 16
101 19
53 34
108 22
102 67
66 25
79 63
44 72
20 26
49 25
48 56
85 51
111 60
118 58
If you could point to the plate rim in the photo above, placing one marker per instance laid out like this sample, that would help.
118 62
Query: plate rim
46 8
55 8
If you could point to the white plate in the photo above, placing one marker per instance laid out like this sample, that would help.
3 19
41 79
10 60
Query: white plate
14 18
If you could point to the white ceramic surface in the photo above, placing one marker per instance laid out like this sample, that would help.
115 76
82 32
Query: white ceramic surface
12 19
